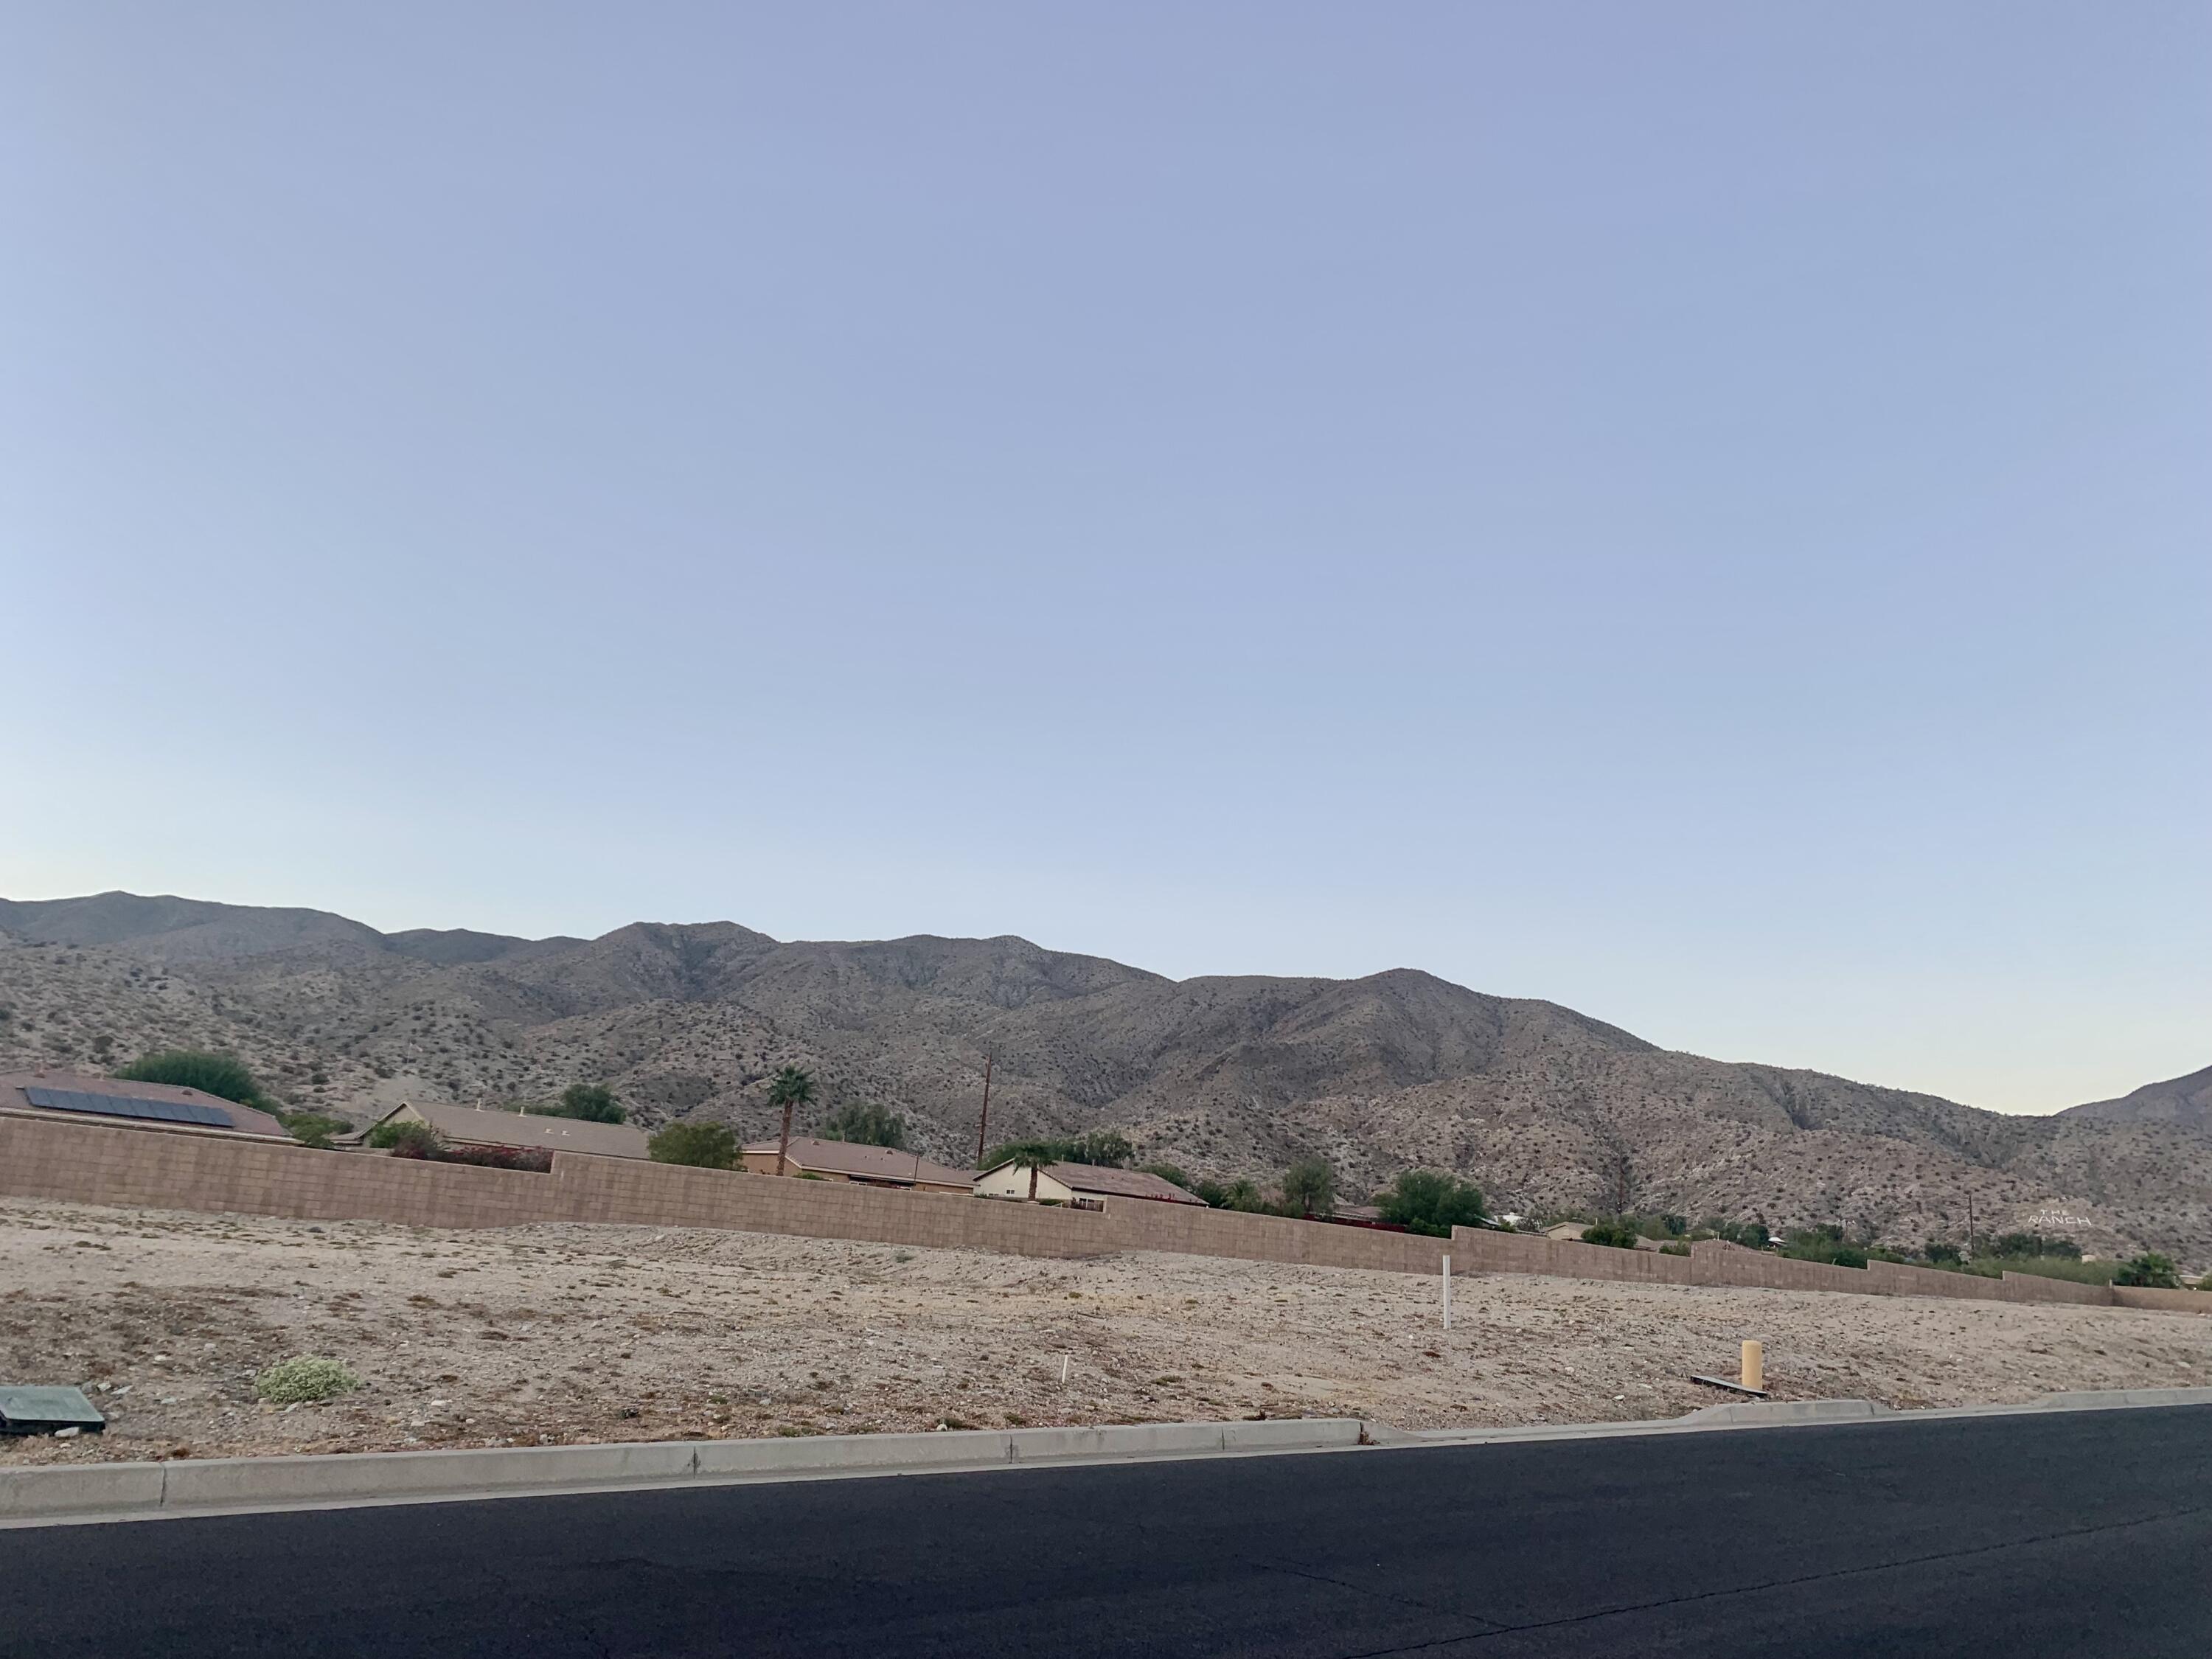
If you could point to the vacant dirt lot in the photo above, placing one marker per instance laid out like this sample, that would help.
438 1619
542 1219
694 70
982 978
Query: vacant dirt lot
577 1334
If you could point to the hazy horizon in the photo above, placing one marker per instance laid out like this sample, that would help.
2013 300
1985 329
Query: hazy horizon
1699 514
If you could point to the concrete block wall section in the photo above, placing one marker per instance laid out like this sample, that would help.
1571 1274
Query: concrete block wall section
96 1164
2137 1296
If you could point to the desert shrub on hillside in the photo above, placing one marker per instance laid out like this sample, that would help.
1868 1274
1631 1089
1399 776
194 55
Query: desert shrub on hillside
701 1145
224 1076
300 1381
2150 1271
2034 1244
1429 1201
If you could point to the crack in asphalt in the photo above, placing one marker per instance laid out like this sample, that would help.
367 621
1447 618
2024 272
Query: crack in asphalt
1491 1625
1776 1584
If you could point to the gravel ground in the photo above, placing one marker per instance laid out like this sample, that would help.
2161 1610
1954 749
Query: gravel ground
563 1334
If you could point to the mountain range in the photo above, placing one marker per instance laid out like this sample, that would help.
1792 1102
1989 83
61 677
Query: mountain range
1548 1110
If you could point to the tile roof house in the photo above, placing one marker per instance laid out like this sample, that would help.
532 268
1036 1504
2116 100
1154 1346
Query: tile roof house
475 1126
117 1102
851 1160
1078 1183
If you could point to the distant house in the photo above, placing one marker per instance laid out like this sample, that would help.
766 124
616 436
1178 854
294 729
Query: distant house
1085 1184
117 1103
849 1160
1566 1232
473 1126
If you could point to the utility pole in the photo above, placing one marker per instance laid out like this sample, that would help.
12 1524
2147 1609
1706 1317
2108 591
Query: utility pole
1970 1226
984 1124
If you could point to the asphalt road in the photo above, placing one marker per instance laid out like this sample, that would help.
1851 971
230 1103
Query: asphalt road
2083 1534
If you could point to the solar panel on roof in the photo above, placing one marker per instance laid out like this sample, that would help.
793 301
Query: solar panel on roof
158 1112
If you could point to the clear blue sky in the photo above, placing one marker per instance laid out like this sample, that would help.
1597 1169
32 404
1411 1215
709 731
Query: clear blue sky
1698 511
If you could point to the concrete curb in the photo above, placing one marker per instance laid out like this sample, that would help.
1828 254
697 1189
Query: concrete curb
1788 1414
183 1487
231 1484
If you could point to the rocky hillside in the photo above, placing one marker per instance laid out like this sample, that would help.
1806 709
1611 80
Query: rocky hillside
1548 1108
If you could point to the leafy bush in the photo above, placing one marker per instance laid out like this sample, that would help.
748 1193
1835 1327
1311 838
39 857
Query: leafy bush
537 1160
313 1128
1938 1252
2034 1244
224 1076
1309 1187
406 1138
1170 1172
1752 1234
593 1103
865 1125
1429 1201
2150 1271
1616 1233
701 1145
1824 1244
1105 1149
297 1381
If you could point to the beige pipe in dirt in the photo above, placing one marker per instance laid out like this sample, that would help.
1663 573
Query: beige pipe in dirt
1754 1365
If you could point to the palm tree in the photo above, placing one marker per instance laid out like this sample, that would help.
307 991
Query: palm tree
791 1087
1033 1155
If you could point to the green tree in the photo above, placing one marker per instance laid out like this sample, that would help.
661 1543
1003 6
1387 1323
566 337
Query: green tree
1429 1201
407 1138
224 1076
701 1145
1242 1194
1616 1233
1939 1252
313 1128
2150 1271
1173 1172
1309 1187
594 1103
790 1088
1030 1155
1105 1149
864 1126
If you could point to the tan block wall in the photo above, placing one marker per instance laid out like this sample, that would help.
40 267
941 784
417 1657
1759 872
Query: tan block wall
2033 1287
93 1163
2137 1296
668 1196
1897 1279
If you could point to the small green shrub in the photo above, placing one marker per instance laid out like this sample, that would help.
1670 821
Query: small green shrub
866 1125
593 1103
1616 1234
404 1138
313 1128
700 1146
1430 1202
2150 1271
224 1076
297 1381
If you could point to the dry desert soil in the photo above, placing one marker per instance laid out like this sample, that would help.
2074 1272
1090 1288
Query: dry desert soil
565 1334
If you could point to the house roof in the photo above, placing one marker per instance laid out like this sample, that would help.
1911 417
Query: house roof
474 1125
1097 1179
854 1160
244 1120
